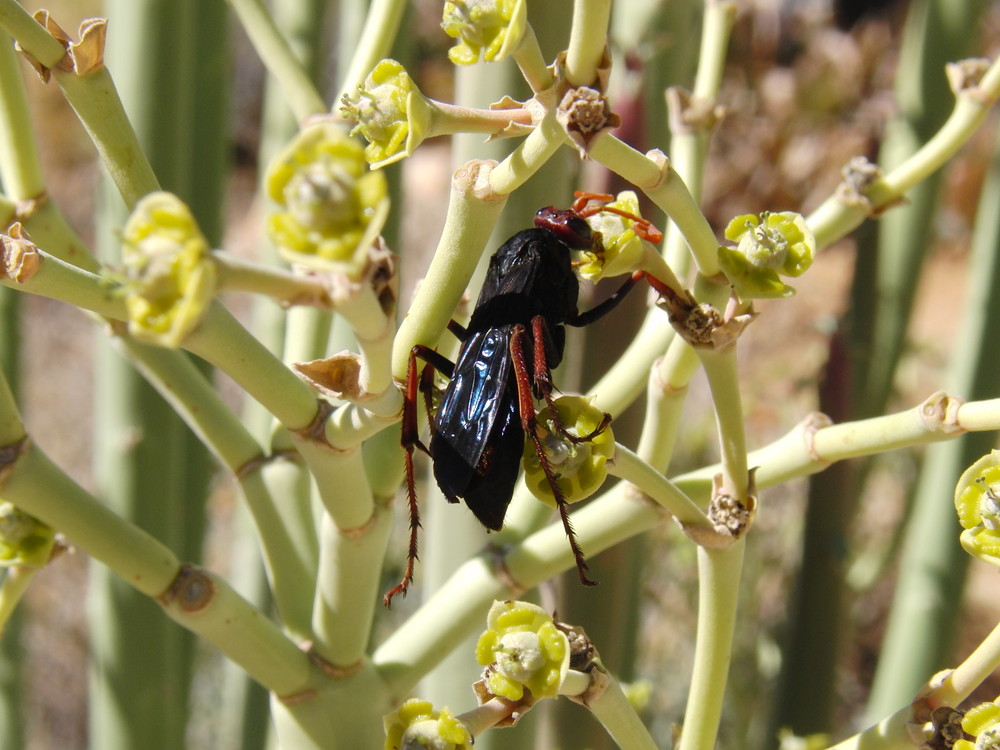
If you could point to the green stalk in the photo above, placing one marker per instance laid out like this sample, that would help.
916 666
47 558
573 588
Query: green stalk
244 715
456 608
587 39
20 176
160 482
933 565
718 592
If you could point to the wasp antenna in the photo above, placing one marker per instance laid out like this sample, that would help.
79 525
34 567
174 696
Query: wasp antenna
583 198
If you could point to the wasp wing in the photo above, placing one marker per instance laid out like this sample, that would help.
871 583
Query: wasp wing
488 486
476 393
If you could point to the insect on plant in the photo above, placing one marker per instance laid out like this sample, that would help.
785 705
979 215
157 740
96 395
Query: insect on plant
513 340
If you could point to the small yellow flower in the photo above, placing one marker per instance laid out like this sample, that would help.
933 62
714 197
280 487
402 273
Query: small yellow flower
333 207
417 725
169 270
524 649
977 500
580 468
490 29
390 113
983 723
620 249
24 540
768 246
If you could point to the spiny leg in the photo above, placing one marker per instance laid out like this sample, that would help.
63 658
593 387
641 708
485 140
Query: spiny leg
526 406
409 440
542 383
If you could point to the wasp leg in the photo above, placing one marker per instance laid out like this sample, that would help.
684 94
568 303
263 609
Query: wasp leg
410 440
542 382
526 406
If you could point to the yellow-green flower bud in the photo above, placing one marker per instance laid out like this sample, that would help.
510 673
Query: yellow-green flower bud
169 269
332 206
390 113
491 29
416 725
579 467
768 246
983 723
620 249
977 500
524 649
24 540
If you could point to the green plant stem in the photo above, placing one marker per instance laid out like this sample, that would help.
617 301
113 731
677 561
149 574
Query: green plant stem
350 567
723 379
531 62
624 381
619 514
974 670
205 604
95 101
653 174
374 43
40 488
587 40
931 561
342 714
814 444
534 151
471 217
888 734
717 27
237 274
628 466
617 715
279 59
19 162
220 340
32 37
718 594
835 218
661 423
194 398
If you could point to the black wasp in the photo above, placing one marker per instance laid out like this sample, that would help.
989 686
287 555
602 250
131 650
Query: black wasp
513 340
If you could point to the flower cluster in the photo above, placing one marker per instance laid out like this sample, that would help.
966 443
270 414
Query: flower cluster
620 248
332 207
390 112
24 540
983 723
977 501
490 29
417 725
523 649
580 467
169 270
768 246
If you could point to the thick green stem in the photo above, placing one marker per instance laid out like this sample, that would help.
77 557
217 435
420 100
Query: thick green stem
718 593
933 565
